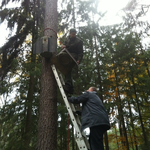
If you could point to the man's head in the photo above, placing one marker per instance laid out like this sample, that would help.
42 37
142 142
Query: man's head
73 33
91 89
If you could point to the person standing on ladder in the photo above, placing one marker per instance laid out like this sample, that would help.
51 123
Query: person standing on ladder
93 116
75 47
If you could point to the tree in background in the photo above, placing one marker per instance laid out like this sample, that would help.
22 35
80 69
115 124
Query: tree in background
18 60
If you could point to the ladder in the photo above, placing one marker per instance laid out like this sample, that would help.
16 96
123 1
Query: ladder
80 138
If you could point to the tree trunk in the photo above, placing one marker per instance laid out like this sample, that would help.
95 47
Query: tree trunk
132 125
120 111
47 125
73 13
29 112
106 141
116 138
140 115
101 90
31 88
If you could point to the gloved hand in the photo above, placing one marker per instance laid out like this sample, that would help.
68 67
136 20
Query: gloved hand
78 112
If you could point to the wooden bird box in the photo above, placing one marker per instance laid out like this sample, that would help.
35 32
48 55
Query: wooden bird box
45 46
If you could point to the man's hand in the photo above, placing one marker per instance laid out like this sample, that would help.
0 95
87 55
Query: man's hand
78 62
78 112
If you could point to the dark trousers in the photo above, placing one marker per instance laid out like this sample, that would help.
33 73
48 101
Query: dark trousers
96 137
68 79
69 89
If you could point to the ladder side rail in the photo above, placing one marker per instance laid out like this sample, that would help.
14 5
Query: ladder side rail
79 140
79 123
76 116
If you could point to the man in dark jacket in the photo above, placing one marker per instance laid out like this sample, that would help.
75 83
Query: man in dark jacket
94 116
75 46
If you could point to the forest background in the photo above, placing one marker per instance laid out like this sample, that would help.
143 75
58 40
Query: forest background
116 61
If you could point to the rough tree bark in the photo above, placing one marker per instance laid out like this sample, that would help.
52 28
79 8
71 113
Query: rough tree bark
47 125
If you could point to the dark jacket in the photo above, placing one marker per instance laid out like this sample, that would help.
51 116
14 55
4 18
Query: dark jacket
75 47
93 111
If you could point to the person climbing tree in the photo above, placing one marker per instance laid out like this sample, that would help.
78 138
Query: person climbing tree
93 116
75 47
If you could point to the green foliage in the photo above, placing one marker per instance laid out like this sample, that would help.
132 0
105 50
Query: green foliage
115 61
